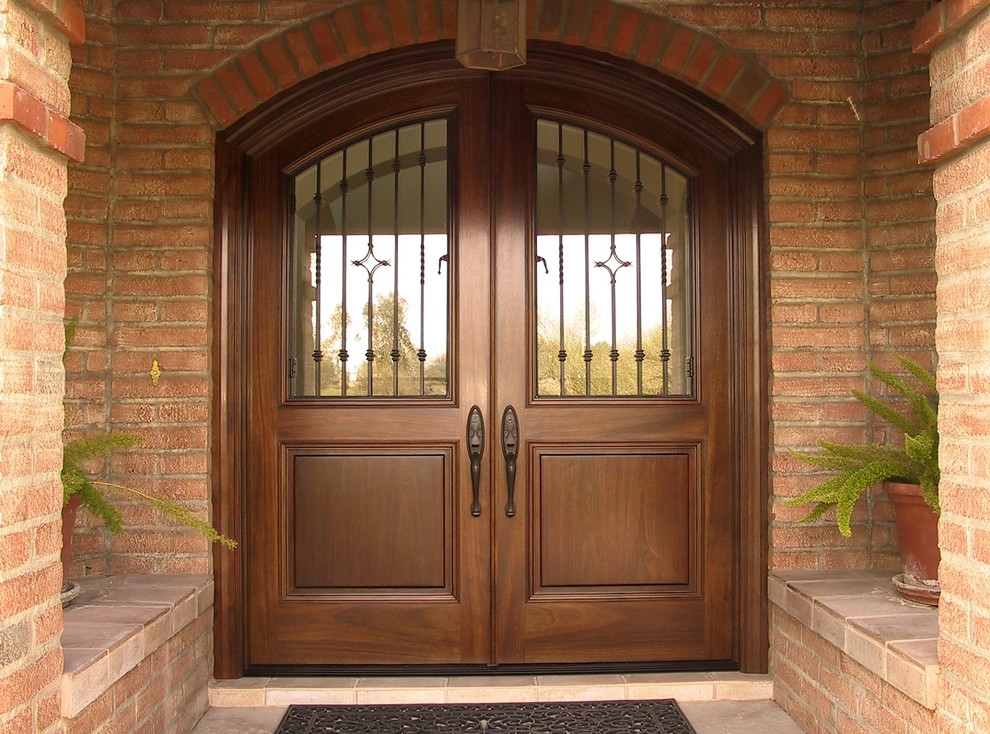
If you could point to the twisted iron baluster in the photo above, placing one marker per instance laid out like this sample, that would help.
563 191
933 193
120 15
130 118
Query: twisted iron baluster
317 282
665 350
344 188
396 167
562 354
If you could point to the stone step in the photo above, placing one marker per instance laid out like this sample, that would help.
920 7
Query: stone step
261 691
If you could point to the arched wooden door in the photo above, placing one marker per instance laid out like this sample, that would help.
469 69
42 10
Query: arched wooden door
491 397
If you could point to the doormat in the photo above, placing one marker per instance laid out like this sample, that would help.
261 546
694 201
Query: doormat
601 717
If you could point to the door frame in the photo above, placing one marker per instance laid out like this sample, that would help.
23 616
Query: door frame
720 129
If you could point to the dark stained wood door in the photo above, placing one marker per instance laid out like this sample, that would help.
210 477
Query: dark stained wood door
622 549
363 548
624 543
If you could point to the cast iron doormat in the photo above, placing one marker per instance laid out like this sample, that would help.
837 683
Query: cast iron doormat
603 717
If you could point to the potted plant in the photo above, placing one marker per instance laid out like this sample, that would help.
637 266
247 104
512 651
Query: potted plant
80 489
909 472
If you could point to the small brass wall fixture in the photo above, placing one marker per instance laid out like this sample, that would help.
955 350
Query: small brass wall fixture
156 372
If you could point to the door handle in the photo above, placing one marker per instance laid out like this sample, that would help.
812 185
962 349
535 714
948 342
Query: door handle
510 449
476 449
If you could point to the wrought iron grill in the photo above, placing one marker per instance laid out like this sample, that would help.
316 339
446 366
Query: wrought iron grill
614 260
369 312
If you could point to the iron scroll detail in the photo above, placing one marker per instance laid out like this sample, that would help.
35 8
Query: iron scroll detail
510 450
476 449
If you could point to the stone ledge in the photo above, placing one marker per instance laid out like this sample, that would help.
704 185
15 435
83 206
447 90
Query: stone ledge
118 621
259 692
864 617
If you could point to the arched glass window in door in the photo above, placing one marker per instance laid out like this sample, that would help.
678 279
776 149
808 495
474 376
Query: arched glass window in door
369 283
614 264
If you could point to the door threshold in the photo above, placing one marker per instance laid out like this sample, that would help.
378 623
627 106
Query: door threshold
504 687
371 671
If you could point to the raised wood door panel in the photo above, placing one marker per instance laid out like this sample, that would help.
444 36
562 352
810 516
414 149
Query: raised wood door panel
363 548
623 585
613 521
370 523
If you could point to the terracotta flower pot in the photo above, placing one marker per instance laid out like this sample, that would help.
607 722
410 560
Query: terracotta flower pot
68 525
917 530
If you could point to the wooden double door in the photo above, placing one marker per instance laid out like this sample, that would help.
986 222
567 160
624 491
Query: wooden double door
490 402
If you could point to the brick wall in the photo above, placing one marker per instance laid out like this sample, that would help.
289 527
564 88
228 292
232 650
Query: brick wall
850 214
840 184
165 694
35 140
827 692
957 34
851 239
139 239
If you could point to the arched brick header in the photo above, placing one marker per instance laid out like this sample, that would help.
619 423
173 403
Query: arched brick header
371 26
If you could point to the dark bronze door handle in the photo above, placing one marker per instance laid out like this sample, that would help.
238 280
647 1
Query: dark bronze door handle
476 449
510 449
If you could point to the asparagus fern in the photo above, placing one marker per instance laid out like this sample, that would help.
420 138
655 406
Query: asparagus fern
858 467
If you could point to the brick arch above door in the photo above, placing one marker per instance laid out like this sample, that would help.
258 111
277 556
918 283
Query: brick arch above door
697 59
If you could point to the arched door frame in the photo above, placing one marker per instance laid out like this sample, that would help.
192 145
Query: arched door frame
720 129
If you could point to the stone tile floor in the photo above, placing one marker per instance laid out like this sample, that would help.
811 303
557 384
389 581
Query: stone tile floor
715 703
707 717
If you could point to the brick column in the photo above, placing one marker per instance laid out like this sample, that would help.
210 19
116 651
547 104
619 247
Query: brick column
36 139
957 34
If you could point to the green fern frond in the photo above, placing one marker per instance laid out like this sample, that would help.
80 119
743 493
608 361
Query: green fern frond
70 335
920 448
843 490
174 509
97 503
920 403
892 416
97 444
820 509
73 478
857 467
926 378
827 491
929 490
850 458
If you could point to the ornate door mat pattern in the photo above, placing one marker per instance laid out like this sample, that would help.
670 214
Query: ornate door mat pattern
600 717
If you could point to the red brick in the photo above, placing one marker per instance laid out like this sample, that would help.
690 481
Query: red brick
677 52
549 26
974 121
256 73
16 549
301 50
429 24
700 61
960 12
354 45
626 26
575 26
448 19
373 24
325 43
724 72
236 88
599 26
654 38
400 22
768 102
